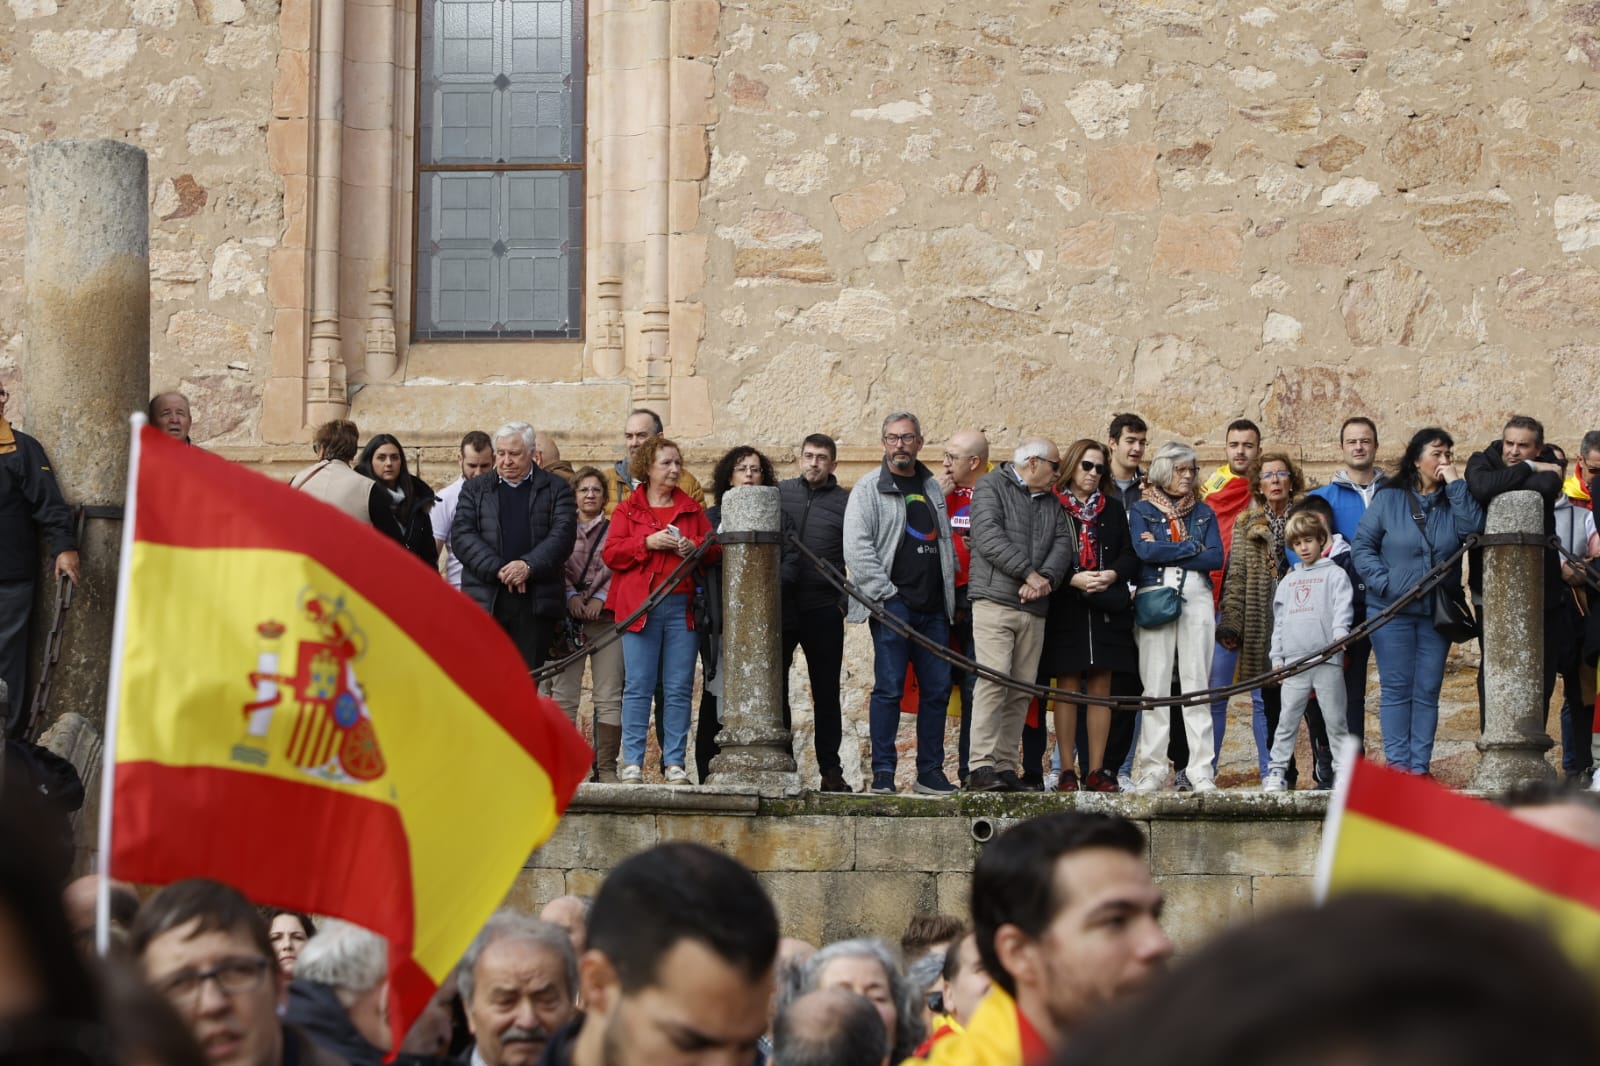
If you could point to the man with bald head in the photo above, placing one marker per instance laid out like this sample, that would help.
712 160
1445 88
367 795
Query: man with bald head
829 1027
549 454
570 913
1021 551
966 459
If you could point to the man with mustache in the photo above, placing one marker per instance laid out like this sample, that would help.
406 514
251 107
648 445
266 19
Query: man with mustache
519 983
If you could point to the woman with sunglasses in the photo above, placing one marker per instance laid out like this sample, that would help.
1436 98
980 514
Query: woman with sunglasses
1088 633
1257 561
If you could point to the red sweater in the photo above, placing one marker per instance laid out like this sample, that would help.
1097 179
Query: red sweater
637 571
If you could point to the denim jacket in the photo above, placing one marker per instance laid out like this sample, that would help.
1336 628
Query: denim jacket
1201 551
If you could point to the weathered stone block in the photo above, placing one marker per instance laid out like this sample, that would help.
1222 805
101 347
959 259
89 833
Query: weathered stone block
1199 907
1299 115
1255 848
955 894
1270 893
1577 219
1331 155
860 207
1526 157
1188 243
804 265
594 840
932 844
764 843
1551 301
1090 245
836 906
584 882
1329 243
534 888
1123 178
1434 148
1395 305
1457 226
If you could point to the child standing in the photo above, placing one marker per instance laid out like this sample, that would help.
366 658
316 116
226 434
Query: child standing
1311 609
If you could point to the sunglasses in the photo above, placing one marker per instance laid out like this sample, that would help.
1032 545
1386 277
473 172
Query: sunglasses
1087 466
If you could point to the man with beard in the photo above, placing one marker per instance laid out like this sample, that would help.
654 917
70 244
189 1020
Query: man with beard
1067 920
678 971
518 982
897 545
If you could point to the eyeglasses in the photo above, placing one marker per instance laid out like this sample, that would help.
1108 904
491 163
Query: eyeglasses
747 469
899 438
1087 465
233 976
1275 475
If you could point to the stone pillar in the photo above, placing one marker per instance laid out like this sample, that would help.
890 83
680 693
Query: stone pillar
755 745
1514 739
87 368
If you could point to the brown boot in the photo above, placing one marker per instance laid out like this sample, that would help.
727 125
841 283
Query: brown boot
607 745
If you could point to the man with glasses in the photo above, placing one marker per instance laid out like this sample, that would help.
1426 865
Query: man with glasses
966 459
1349 493
205 948
897 546
31 510
1021 551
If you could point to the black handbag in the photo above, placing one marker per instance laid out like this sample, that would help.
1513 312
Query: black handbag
1453 618
1159 606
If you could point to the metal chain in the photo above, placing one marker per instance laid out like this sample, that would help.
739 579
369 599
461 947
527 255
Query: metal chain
1046 692
52 643
549 670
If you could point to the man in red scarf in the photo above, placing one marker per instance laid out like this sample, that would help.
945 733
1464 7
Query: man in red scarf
1227 492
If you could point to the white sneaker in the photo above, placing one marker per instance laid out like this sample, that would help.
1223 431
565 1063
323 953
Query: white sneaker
630 775
1205 784
1274 782
677 776
1147 786
1125 782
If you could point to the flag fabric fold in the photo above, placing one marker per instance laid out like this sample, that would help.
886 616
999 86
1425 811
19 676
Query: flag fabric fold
302 709
1394 832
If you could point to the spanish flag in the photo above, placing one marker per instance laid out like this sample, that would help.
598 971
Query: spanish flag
300 708
1394 832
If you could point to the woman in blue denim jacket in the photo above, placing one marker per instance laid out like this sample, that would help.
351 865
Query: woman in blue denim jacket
1178 543
1391 555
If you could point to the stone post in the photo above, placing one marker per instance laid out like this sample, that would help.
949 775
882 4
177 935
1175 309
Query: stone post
755 745
87 368
1514 739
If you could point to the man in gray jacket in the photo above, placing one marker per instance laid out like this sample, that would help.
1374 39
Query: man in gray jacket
897 547
1021 551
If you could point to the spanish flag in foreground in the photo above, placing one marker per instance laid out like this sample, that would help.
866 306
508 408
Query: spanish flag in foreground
301 709
1393 832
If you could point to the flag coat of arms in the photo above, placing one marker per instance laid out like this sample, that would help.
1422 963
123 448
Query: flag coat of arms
301 709
1389 831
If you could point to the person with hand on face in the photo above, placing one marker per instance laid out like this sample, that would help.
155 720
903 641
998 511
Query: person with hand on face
897 545
518 983
813 610
513 533
477 459
204 947
1089 630
1416 520
31 509
169 412
966 459
652 531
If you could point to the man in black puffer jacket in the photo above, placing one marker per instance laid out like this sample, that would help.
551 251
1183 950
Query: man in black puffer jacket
513 531
813 610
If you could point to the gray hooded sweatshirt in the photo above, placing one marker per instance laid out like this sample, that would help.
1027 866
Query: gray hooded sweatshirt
1311 609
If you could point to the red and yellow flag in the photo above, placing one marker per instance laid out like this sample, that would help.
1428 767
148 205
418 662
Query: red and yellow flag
1393 832
301 709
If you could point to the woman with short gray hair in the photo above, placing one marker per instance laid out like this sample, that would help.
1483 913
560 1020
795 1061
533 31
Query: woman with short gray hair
1178 542
868 968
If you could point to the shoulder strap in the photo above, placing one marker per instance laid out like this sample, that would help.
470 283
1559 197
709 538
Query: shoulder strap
1422 528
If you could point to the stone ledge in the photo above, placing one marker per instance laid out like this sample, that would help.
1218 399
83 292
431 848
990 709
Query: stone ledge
1237 805
595 798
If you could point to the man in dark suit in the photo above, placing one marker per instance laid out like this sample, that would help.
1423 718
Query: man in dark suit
513 531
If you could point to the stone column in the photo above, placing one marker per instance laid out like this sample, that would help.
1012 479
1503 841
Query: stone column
755 745
1514 739
87 368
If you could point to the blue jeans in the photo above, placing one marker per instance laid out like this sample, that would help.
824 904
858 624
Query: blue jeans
666 648
1410 673
891 653
1223 665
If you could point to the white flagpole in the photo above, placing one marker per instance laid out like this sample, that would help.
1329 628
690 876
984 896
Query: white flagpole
1331 824
108 751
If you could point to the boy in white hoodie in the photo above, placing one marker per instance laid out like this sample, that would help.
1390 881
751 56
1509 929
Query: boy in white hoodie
1311 609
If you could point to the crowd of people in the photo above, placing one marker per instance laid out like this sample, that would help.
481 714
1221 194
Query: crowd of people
1079 566
680 959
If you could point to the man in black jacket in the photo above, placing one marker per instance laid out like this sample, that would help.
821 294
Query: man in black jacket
813 610
513 531
31 509
1520 459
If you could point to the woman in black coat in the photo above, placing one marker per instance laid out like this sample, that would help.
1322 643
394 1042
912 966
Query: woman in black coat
410 499
1089 630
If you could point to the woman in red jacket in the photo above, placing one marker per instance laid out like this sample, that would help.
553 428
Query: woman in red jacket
651 531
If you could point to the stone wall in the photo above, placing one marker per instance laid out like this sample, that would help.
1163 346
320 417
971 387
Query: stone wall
192 83
861 866
1030 215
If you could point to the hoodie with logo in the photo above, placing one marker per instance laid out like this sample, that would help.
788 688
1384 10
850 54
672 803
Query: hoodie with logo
1312 608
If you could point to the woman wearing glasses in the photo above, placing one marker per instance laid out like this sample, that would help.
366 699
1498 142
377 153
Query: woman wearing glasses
1256 563
1088 633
